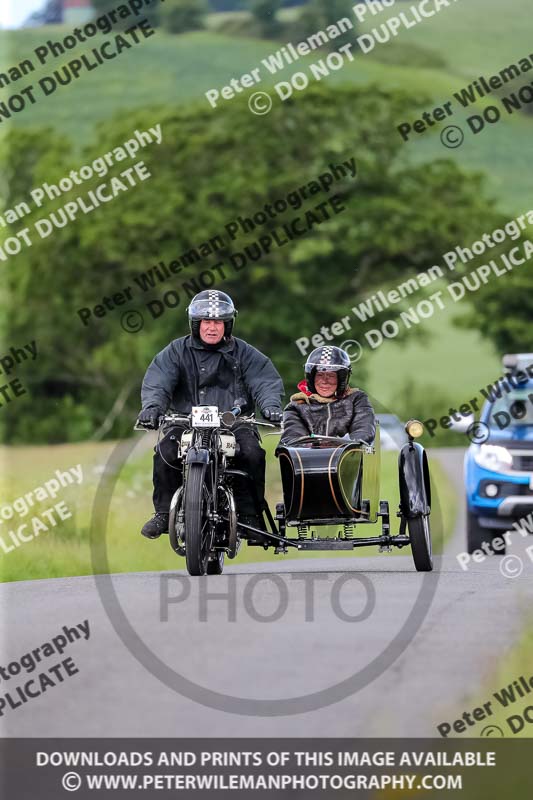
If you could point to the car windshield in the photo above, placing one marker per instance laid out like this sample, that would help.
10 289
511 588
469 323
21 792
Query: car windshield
515 408
390 422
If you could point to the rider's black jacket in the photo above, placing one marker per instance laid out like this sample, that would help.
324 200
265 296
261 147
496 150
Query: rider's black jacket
188 373
311 413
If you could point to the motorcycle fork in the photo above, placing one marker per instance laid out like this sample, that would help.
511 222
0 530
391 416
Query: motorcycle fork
214 476
206 440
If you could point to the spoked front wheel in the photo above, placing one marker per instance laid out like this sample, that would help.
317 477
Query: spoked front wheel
420 536
198 529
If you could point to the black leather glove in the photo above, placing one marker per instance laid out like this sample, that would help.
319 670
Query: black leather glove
149 417
275 415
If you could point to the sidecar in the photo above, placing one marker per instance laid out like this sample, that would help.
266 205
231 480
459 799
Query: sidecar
331 489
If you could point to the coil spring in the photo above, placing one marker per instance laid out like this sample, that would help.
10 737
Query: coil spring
348 532
303 531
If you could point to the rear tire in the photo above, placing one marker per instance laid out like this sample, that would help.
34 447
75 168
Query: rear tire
198 532
420 536
476 535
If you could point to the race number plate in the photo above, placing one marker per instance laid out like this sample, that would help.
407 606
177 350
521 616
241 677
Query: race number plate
205 417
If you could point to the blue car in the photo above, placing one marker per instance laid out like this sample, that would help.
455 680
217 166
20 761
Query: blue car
499 470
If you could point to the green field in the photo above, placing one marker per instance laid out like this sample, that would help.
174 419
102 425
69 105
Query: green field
430 363
65 549
170 70
502 35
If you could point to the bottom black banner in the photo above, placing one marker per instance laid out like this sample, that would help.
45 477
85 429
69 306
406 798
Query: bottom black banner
205 768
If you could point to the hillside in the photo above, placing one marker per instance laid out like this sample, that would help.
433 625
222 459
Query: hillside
167 70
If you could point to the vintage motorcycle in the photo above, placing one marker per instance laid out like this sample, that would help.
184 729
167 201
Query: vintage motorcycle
327 481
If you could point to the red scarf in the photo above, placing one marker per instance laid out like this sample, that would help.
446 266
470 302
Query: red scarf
302 386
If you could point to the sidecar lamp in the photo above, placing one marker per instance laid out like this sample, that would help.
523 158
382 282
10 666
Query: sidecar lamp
414 428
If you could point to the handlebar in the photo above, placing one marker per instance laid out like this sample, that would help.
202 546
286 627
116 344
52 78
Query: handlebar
164 418
235 412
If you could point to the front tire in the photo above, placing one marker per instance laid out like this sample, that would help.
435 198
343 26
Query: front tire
198 532
420 536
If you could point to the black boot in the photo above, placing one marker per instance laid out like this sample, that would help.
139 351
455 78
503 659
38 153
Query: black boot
155 526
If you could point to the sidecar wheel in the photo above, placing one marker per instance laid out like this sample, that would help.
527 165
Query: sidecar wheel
216 566
420 535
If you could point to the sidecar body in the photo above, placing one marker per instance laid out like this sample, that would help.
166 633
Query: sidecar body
331 489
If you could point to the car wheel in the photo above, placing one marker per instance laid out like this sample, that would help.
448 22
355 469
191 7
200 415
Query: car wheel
476 535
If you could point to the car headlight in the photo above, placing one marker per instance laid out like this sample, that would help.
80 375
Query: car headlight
490 456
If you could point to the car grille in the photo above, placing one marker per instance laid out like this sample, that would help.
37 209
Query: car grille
523 462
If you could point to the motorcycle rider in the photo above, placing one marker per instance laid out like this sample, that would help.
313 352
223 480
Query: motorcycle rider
209 366
326 405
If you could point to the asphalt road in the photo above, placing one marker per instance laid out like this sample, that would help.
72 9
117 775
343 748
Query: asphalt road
356 646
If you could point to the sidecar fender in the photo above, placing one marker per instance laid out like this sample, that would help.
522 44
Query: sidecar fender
415 487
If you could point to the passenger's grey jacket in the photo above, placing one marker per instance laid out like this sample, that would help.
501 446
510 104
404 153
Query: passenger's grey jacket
187 373
327 416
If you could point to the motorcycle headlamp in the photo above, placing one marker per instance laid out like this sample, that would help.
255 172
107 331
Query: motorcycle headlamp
414 428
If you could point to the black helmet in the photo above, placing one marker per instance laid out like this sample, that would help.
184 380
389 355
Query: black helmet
328 359
211 304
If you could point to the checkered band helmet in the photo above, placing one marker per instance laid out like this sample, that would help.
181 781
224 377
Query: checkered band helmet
211 304
328 359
